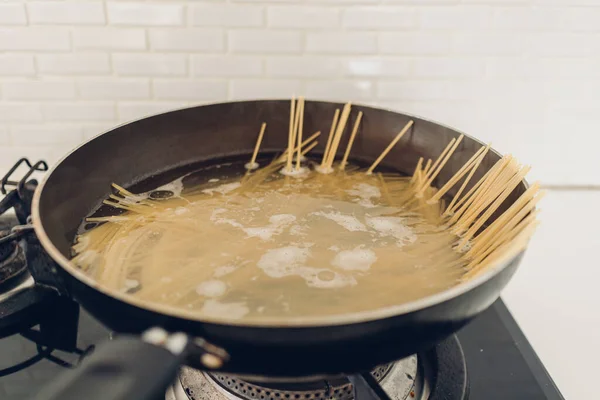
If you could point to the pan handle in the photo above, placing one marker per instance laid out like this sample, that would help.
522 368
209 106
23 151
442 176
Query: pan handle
127 368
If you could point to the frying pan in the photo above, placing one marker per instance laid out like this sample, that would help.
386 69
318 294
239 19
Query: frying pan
158 148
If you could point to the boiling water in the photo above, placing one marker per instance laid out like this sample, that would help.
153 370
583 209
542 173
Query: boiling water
268 246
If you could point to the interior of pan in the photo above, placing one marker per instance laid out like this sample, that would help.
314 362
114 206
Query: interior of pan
146 149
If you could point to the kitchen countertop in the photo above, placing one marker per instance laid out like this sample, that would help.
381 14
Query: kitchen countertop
555 294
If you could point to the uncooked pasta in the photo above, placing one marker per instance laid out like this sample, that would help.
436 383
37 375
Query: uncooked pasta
301 237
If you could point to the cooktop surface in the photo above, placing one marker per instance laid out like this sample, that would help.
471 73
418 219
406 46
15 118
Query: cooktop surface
500 362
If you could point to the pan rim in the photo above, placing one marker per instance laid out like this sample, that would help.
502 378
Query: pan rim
295 322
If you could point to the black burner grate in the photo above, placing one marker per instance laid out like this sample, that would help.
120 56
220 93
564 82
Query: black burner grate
12 263
5 248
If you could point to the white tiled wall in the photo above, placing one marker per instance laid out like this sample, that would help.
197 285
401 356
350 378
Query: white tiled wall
524 74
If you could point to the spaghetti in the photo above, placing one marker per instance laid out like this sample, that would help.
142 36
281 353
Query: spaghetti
308 239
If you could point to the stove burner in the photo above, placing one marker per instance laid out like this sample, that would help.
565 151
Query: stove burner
401 380
340 389
13 264
21 197
20 296
5 248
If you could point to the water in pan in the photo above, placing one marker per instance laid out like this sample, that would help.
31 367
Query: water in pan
271 247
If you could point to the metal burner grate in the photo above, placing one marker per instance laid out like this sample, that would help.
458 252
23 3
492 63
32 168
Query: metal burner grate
339 389
6 248
12 264
402 380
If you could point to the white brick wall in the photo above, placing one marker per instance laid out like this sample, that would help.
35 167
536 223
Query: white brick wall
109 89
415 43
4 134
341 42
69 12
16 112
380 17
452 17
38 90
36 135
331 90
216 66
227 15
265 41
264 88
378 67
304 66
128 111
143 14
187 40
12 14
448 67
73 64
170 89
34 39
150 64
302 17
17 64
79 111
524 74
109 39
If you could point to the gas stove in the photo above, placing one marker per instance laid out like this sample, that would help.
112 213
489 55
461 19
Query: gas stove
42 334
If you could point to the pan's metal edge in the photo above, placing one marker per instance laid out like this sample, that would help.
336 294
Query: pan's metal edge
300 322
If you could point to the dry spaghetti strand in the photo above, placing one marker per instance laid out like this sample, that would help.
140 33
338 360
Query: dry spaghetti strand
390 146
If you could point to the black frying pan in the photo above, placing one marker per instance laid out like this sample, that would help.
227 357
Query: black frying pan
144 150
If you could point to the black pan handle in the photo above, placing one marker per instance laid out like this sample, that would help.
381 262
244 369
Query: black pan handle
127 368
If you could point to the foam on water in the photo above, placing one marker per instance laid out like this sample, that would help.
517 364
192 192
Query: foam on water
358 259
298 230
392 226
314 277
365 193
181 210
291 260
282 219
130 284
175 187
233 310
223 189
214 217
323 170
224 270
349 222
296 173
277 224
283 261
212 288
216 212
